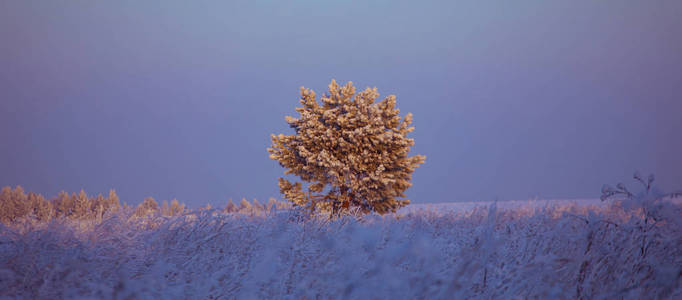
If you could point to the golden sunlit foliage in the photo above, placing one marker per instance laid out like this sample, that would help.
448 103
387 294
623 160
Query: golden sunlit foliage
16 204
174 209
147 207
354 147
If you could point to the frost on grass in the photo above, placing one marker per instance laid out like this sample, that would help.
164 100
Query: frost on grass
555 252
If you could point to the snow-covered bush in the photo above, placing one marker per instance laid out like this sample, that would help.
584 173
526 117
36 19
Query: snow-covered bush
551 252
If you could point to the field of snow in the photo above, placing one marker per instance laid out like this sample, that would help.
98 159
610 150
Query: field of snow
569 249
504 205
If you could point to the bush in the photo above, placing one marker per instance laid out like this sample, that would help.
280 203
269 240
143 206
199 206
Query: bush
354 147
519 252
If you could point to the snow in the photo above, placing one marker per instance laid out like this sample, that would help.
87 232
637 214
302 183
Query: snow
506 250
508 204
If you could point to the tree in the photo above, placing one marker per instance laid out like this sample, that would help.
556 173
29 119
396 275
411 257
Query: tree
148 207
41 208
82 205
6 205
174 209
244 205
99 206
257 206
355 148
113 202
14 204
63 205
230 207
273 204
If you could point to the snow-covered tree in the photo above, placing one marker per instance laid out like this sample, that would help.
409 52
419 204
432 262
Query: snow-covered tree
230 207
148 207
13 204
41 208
82 205
63 204
244 205
113 203
174 209
351 146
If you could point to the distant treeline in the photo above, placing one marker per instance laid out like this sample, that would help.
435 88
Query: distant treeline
16 204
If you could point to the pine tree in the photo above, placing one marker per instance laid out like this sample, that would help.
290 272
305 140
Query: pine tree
113 202
74 204
230 207
271 205
42 208
176 209
165 209
14 204
63 205
21 205
244 206
82 205
172 209
99 206
147 207
354 147
6 206
257 206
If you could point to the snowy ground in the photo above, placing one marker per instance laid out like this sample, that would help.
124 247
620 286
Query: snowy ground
510 204
516 250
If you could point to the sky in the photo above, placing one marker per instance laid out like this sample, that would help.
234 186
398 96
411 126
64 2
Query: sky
512 100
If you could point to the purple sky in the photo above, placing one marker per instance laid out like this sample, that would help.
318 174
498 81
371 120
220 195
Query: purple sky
179 98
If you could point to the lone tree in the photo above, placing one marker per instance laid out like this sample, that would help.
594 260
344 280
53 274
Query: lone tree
351 150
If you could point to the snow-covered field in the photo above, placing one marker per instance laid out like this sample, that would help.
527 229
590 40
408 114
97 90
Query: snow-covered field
510 204
584 249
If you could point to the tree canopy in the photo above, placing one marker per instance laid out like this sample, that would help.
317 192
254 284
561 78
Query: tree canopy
351 150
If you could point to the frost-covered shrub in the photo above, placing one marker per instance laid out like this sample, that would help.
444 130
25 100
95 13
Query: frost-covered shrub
351 146
551 252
